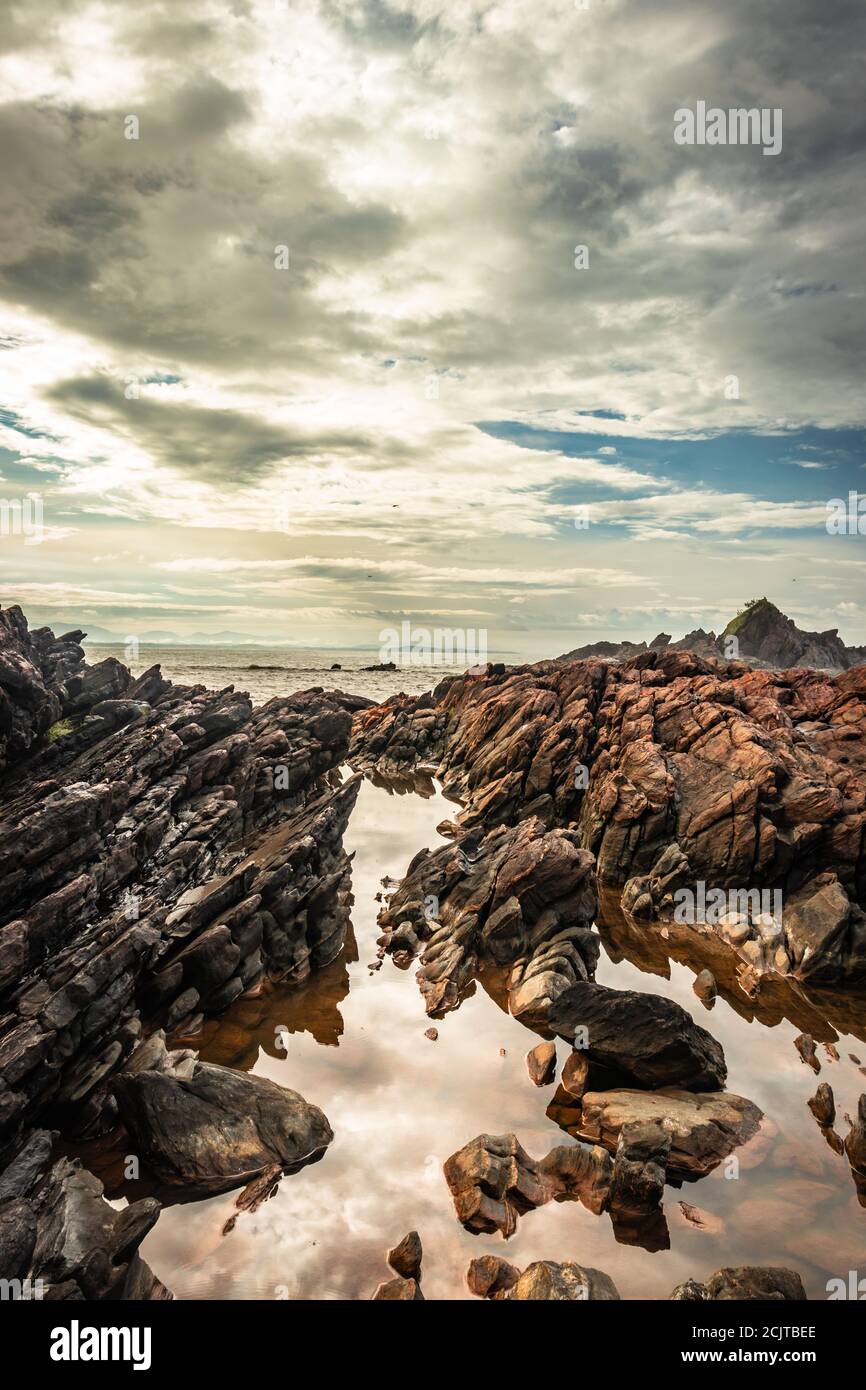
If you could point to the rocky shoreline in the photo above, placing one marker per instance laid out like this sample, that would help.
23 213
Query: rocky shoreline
165 850
169 850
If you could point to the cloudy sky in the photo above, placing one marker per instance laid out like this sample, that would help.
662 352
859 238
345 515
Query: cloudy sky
311 354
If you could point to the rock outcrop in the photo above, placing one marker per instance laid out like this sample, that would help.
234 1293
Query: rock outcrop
60 1239
520 896
164 849
764 632
764 637
685 776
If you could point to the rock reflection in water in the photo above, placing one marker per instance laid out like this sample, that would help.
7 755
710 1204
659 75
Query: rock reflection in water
400 1104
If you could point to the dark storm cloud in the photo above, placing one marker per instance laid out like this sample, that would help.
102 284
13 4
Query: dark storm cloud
124 239
221 446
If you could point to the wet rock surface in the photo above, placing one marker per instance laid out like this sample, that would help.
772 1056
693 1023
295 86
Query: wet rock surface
405 1258
704 1127
165 850
750 1282
224 824
520 896
642 1037
678 771
59 1237
210 1128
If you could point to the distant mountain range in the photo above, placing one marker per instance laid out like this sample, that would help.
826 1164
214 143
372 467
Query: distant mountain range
760 635
159 637
96 635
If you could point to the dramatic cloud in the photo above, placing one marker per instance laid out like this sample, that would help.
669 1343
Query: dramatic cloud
339 308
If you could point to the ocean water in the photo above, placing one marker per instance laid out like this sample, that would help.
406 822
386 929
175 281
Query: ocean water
268 671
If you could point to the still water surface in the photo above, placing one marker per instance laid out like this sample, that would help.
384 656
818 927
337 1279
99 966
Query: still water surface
400 1104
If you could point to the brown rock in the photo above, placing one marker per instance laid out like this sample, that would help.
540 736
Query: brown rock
541 1063
398 1290
405 1258
491 1277
823 1106
704 1128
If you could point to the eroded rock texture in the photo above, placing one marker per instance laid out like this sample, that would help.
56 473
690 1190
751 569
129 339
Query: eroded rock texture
754 1283
210 1129
704 1128
676 770
60 1239
163 849
494 1181
545 1280
520 896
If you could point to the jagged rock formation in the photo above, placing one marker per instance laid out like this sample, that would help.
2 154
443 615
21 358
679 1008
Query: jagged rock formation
60 1239
493 1181
764 632
676 772
764 637
520 896
163 849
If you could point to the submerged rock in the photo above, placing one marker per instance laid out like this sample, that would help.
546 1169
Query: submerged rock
405 1258
705 987
493 1181
823 1105
541 1063
398 1291
855 1149
491 1277
805 1045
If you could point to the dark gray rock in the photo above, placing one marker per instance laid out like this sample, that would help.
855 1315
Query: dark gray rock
216 1129
645 1037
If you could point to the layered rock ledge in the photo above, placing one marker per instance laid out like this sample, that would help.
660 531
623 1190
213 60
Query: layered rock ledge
165 849
677 772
